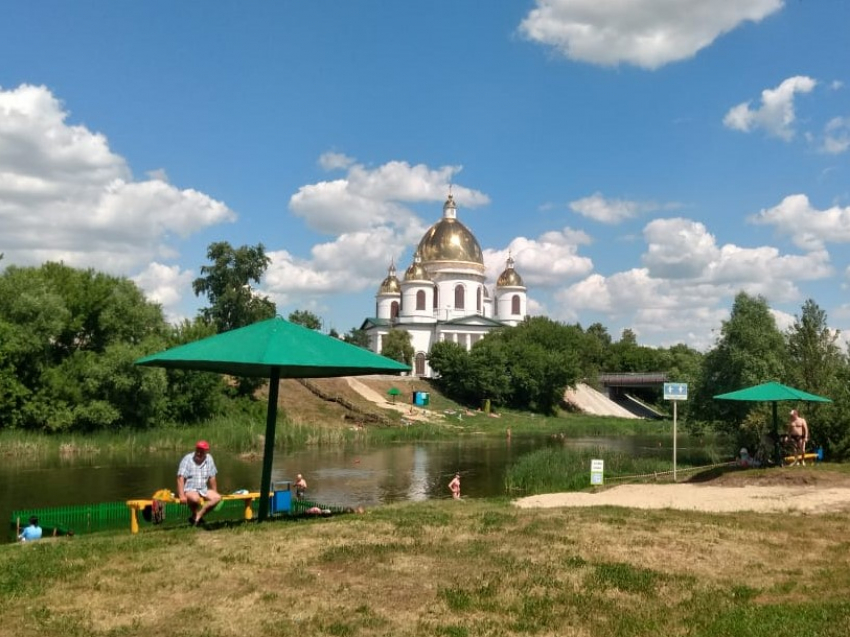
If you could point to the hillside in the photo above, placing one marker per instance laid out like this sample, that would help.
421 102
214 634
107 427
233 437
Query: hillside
334 400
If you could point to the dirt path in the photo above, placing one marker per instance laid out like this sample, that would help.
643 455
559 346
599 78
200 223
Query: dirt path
371 395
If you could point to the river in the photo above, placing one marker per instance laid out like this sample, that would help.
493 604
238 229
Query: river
353 476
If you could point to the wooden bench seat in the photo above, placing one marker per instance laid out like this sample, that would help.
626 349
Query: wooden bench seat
140 504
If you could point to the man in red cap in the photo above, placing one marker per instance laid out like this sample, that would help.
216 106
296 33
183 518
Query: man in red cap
196 480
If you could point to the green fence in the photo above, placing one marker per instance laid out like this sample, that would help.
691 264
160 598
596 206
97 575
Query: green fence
91 518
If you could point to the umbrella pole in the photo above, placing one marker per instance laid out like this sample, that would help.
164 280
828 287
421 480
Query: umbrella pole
268 452
777 448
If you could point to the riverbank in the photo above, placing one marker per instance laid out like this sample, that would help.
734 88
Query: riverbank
457 568
344 416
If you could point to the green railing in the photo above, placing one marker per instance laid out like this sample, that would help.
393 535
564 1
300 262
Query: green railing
91 518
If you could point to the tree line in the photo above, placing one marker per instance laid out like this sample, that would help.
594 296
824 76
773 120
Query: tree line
69 337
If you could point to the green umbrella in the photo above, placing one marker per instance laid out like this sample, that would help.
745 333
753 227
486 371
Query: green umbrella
393 391
772 392
274 349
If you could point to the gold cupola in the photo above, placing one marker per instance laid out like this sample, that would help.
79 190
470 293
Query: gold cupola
390 285
416 271
450 240
509 277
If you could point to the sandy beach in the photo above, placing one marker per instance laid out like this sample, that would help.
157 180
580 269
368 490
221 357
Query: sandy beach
807 499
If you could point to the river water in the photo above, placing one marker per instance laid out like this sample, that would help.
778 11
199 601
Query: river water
354 476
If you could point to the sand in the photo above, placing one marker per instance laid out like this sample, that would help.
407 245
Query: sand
698 497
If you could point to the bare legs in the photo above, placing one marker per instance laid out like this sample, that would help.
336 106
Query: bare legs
200 506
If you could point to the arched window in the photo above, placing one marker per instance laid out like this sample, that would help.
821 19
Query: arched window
459 297
394 310
515 304
419 364
420 300
436 297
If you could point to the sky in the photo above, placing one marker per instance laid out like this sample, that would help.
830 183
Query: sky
642 161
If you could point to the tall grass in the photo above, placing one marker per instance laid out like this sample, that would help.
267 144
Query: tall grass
556 469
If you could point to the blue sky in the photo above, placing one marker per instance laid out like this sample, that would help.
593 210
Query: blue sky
641 160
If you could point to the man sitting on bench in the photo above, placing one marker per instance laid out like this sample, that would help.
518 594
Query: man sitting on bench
196 480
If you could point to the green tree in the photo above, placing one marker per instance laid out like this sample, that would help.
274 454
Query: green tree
397 345
525 367
750 350
357 337
305 318
192 396
452 364
227 285
69 341
817 365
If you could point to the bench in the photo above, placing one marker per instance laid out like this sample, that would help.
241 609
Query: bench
806 456
140 504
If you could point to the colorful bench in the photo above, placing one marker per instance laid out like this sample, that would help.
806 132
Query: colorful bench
166 496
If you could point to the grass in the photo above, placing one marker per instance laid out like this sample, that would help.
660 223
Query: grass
443 568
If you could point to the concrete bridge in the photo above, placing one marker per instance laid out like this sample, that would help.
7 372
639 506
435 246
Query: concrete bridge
614 398
634 379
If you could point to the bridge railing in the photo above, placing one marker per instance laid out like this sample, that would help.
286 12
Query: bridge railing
634 378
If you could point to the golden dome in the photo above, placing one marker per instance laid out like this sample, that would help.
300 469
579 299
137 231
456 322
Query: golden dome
450 240
390 285
416 272
509 278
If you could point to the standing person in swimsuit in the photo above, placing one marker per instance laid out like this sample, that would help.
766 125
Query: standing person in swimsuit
300 486
454 486
798 431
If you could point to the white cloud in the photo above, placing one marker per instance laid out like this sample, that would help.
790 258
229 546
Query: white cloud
688 281
678 248
644 33
836 137
374 197
165 284
784 320
64 195
335 161
611 211
544 262
348 264
776 114
808 227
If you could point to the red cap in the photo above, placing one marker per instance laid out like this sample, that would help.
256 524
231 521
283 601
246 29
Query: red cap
203 444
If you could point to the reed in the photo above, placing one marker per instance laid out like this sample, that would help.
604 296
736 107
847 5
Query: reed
564 469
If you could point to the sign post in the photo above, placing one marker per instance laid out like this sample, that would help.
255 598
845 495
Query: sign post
597 472
675 392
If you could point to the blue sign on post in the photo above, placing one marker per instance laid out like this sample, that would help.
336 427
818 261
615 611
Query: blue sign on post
675 391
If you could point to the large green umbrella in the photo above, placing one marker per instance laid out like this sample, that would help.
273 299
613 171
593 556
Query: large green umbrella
772 392
274 349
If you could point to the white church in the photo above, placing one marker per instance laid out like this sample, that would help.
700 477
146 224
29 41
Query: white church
443 295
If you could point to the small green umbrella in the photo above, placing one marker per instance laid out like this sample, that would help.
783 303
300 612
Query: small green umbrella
274 349
393 391
772 392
